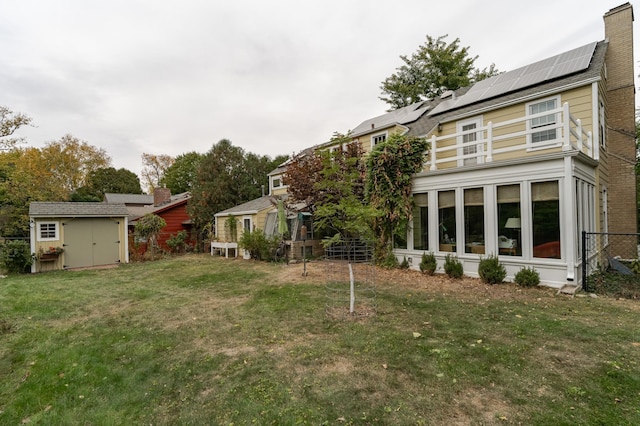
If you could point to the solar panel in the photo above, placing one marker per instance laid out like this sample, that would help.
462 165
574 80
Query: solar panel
547 69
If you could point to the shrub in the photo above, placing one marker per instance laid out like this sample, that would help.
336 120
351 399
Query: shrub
452 267
178 242
428 264
16 256
404 264
491 270
258 245
390 261
527 277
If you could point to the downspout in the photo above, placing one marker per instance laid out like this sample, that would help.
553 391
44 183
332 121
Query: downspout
569 218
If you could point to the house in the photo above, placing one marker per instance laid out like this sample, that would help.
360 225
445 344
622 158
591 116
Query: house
521 163
171 208
76 235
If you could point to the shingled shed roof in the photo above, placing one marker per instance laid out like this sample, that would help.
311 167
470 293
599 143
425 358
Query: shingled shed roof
50 209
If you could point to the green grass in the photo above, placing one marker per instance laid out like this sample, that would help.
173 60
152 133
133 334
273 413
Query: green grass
201 340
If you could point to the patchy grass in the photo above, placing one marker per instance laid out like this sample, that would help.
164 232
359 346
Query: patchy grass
201 340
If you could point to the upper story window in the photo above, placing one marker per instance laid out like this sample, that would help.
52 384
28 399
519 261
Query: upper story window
602 125
48 231
379 138
539 125
469 150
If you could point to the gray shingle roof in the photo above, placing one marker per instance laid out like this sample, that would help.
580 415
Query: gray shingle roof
399 116
143 199
51 209
252 206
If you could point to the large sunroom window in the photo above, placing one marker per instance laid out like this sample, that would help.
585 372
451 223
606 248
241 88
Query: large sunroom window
545 211
447 221
421 222
509 223
474 221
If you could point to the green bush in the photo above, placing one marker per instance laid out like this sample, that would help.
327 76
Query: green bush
16 257
428 263
178 242
404 264
491 270
390 261
260 246
527 277
453 267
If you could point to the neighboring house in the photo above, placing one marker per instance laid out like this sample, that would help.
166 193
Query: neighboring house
172 208
521 163
90 234
262 213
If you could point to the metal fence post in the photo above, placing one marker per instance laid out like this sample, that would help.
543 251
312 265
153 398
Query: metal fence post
585 256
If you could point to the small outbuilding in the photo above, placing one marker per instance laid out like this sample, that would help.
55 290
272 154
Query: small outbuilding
77 235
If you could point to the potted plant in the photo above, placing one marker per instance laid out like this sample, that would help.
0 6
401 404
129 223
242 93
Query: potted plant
50 253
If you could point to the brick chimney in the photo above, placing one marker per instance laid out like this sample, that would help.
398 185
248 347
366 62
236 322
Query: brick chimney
161 196
620 119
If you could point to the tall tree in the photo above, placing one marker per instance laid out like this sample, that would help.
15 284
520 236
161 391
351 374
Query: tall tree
226 177
180 176
108 180
331 183
10 122
24 177
153 169
71 160
435 67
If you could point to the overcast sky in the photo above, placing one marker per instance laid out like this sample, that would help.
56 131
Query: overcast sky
274 77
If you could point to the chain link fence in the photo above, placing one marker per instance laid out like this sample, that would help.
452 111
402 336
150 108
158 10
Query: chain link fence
610 264
350 275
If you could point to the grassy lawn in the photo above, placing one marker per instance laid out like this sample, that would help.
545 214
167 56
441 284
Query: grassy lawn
201 340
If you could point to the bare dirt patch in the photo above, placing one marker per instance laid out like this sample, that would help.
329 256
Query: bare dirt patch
413 280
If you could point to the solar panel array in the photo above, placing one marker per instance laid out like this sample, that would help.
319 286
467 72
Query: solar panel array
548 69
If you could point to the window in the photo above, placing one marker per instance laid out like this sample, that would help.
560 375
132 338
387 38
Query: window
466 141
447 221
276 182
539 125
48 231
421 222
246 224
509 224
474 221
376 139
545 214
602 125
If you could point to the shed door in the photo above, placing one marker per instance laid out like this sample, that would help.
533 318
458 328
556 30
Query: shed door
91 242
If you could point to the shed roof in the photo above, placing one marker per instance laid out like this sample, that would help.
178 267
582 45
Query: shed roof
60 209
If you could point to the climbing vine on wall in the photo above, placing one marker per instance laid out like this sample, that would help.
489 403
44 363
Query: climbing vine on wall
390 168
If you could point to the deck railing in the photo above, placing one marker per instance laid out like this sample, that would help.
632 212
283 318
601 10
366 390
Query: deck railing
496 139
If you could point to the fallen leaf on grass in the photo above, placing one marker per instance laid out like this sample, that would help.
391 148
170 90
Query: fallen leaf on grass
416 334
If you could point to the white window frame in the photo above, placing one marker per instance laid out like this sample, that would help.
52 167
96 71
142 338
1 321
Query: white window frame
602 124
56 231
383 135
531 128
461 139
245 220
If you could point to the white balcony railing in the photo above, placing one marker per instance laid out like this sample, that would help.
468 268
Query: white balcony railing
495 139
